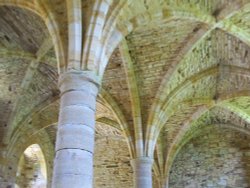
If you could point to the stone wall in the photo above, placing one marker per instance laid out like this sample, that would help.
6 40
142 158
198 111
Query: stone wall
217 157
112 167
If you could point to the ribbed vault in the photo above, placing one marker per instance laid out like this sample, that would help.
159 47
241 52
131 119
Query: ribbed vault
166 69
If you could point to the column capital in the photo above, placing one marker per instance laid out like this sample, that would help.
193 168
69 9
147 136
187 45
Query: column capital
78 80
141 161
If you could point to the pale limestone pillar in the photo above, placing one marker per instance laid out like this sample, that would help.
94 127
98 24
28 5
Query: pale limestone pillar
164 184
73 164
142 168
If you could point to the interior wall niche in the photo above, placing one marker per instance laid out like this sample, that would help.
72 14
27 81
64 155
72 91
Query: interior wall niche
31 172
216 157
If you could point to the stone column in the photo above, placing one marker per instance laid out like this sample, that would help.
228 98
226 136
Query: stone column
164 184
73 164
142 168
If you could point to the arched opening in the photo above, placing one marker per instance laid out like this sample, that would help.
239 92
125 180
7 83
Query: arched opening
32 171
27 57
25 48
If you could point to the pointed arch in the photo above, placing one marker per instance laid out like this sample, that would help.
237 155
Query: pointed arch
32 168
42 9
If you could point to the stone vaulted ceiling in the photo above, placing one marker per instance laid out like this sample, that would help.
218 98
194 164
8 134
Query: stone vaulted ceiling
173 67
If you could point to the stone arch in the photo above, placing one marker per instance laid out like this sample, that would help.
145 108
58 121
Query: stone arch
120 118
32 170
15 150
234 152
125 18
129 16
217 116
41 9
233 89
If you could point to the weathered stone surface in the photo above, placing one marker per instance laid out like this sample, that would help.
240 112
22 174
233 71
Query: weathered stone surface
186 57
112 161
22 30
216 157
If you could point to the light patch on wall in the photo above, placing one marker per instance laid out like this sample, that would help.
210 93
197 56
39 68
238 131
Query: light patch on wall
31 171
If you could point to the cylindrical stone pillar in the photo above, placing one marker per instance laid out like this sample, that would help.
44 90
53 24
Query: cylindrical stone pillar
142 168
164 184
73 164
